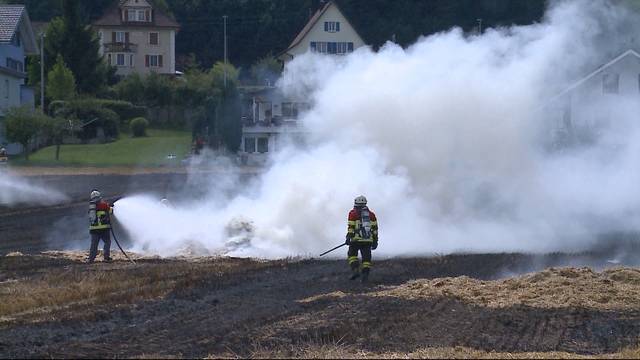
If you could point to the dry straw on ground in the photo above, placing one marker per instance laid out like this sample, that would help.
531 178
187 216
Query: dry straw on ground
617 289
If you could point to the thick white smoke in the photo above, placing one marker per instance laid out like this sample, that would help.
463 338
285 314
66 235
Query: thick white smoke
444 138
15 189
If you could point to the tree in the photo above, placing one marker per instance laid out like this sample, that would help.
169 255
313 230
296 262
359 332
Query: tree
22 125
131 89
61 84
228 123
266 70
54 129
69 37
217 73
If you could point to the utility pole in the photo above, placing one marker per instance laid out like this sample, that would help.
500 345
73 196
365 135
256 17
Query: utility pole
479 26
42 72
225 50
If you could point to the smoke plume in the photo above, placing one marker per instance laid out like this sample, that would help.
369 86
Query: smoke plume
15 189
448 139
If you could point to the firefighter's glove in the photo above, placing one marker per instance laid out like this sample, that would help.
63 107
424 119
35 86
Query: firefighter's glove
374 246
347 240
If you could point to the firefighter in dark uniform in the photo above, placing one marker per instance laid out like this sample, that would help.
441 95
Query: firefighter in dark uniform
362 235
99 226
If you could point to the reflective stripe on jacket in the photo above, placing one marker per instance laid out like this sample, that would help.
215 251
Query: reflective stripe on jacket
102 218
355 228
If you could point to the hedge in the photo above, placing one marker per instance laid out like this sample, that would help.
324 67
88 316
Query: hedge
124 109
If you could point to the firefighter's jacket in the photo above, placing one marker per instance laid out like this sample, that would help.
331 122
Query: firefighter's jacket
361 230
100 215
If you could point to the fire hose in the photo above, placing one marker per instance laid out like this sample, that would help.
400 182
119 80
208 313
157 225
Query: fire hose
120 247
335 248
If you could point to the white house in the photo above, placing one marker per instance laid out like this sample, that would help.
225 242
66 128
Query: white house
136 37
269 121
327 32
579 112
16 40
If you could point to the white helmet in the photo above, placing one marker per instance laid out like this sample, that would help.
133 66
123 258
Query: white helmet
165 202
95 194
360 201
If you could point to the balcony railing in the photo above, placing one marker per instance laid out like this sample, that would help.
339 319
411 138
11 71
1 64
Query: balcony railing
120 47
274 121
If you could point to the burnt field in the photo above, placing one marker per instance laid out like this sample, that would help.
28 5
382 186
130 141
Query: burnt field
55 306
467 305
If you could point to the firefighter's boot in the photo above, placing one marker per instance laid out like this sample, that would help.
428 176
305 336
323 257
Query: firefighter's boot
355 271
365 275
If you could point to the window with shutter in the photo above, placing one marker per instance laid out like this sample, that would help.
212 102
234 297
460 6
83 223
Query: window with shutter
146 60
154 60
250 144
263 145
126 38
113 36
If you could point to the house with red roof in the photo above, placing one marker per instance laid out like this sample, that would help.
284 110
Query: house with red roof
138 37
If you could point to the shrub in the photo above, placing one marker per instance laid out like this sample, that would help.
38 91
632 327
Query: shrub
124 109
139 126
93 118
110 122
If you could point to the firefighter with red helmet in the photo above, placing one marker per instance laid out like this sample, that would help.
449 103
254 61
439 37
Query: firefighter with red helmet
362 236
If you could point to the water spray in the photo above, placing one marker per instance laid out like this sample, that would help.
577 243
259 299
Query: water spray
115 238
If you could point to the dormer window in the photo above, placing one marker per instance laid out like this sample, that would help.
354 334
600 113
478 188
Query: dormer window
137 15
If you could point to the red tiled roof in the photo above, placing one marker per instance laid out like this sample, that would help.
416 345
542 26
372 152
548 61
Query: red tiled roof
112 17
